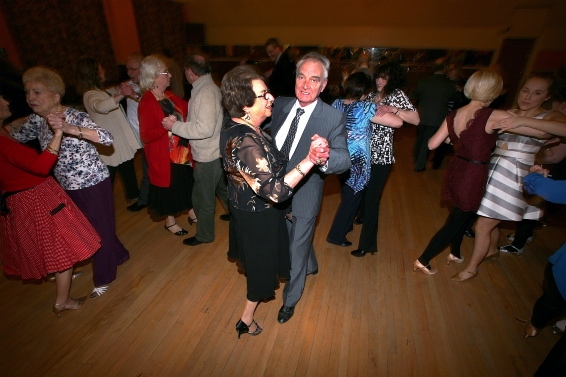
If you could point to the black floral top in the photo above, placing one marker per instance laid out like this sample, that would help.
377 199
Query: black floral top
79 165
254 167
381 144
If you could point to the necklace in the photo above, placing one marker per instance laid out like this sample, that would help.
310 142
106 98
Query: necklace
256 129
158 96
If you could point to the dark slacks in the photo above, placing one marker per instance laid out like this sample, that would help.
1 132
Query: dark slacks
345 214
377 179
97 204
143 199
547 308
210 183
420 151
451 234
525 229
128 174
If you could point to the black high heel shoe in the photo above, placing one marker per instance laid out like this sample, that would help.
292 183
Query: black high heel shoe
242 328
181 232
192 220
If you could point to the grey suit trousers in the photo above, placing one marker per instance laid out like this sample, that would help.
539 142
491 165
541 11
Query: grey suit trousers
303 258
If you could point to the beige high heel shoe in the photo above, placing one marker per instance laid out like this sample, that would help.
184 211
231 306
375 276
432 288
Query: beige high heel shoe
530 330
71 304
452 258
467 276
419 266
493 256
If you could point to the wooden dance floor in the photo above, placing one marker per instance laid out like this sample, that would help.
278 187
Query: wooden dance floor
173 308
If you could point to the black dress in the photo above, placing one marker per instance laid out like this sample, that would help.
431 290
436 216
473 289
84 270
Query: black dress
258 232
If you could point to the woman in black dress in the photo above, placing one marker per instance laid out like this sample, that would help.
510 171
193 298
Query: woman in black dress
256 183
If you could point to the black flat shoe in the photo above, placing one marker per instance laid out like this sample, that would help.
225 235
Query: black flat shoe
136 207
224 217
285 313
181 232
359 221
192 241
343 244
313 273
242 328
361 253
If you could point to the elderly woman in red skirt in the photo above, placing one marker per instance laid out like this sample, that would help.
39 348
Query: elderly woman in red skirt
41 229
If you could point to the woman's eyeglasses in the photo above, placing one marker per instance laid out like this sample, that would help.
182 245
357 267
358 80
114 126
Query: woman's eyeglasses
164 73
267 96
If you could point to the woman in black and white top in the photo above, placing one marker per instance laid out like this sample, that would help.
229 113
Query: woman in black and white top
79 170
393 104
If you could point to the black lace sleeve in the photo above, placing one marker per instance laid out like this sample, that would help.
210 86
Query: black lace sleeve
262 169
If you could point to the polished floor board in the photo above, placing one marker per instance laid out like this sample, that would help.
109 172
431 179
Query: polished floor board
173 308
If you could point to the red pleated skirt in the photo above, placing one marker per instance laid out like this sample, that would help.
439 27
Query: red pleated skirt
44 232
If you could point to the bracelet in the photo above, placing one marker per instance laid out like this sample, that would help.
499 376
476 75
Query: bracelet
80 132
298 168
52 151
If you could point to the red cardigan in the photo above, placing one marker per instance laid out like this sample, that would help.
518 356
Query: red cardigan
21 167
155 137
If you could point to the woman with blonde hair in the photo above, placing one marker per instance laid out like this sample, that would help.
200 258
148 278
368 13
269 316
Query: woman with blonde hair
80 172
514 155
470 130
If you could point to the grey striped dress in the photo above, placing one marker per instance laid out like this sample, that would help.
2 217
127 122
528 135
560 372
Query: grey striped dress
504 198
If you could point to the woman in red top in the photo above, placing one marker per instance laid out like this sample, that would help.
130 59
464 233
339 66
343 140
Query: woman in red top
41 229
168 156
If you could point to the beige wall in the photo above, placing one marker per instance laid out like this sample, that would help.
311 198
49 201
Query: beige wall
442 24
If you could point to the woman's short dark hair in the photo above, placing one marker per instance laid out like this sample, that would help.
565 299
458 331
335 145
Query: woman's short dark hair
393 71
86 75
237 90
356 85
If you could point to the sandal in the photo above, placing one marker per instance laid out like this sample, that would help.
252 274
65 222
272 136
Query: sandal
181 232
98 291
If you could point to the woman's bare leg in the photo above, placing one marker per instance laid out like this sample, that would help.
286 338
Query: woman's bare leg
63 286
486 229
172 225
248 315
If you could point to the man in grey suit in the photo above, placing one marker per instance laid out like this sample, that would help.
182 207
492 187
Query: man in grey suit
294 122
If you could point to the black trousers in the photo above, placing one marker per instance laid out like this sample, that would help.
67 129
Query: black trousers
372 197
345 214
129 179
523 231
547 308
451 234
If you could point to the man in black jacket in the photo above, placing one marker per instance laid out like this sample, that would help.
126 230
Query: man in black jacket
282 77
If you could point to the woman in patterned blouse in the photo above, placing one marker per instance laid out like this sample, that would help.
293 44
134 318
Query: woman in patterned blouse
41 229
79 170
359 114
394 105
256 183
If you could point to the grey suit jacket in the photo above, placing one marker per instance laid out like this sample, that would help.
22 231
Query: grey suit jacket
327 122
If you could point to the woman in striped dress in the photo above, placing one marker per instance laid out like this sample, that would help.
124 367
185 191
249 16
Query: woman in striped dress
510 162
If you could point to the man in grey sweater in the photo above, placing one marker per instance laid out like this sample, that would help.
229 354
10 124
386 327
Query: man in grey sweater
203 131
